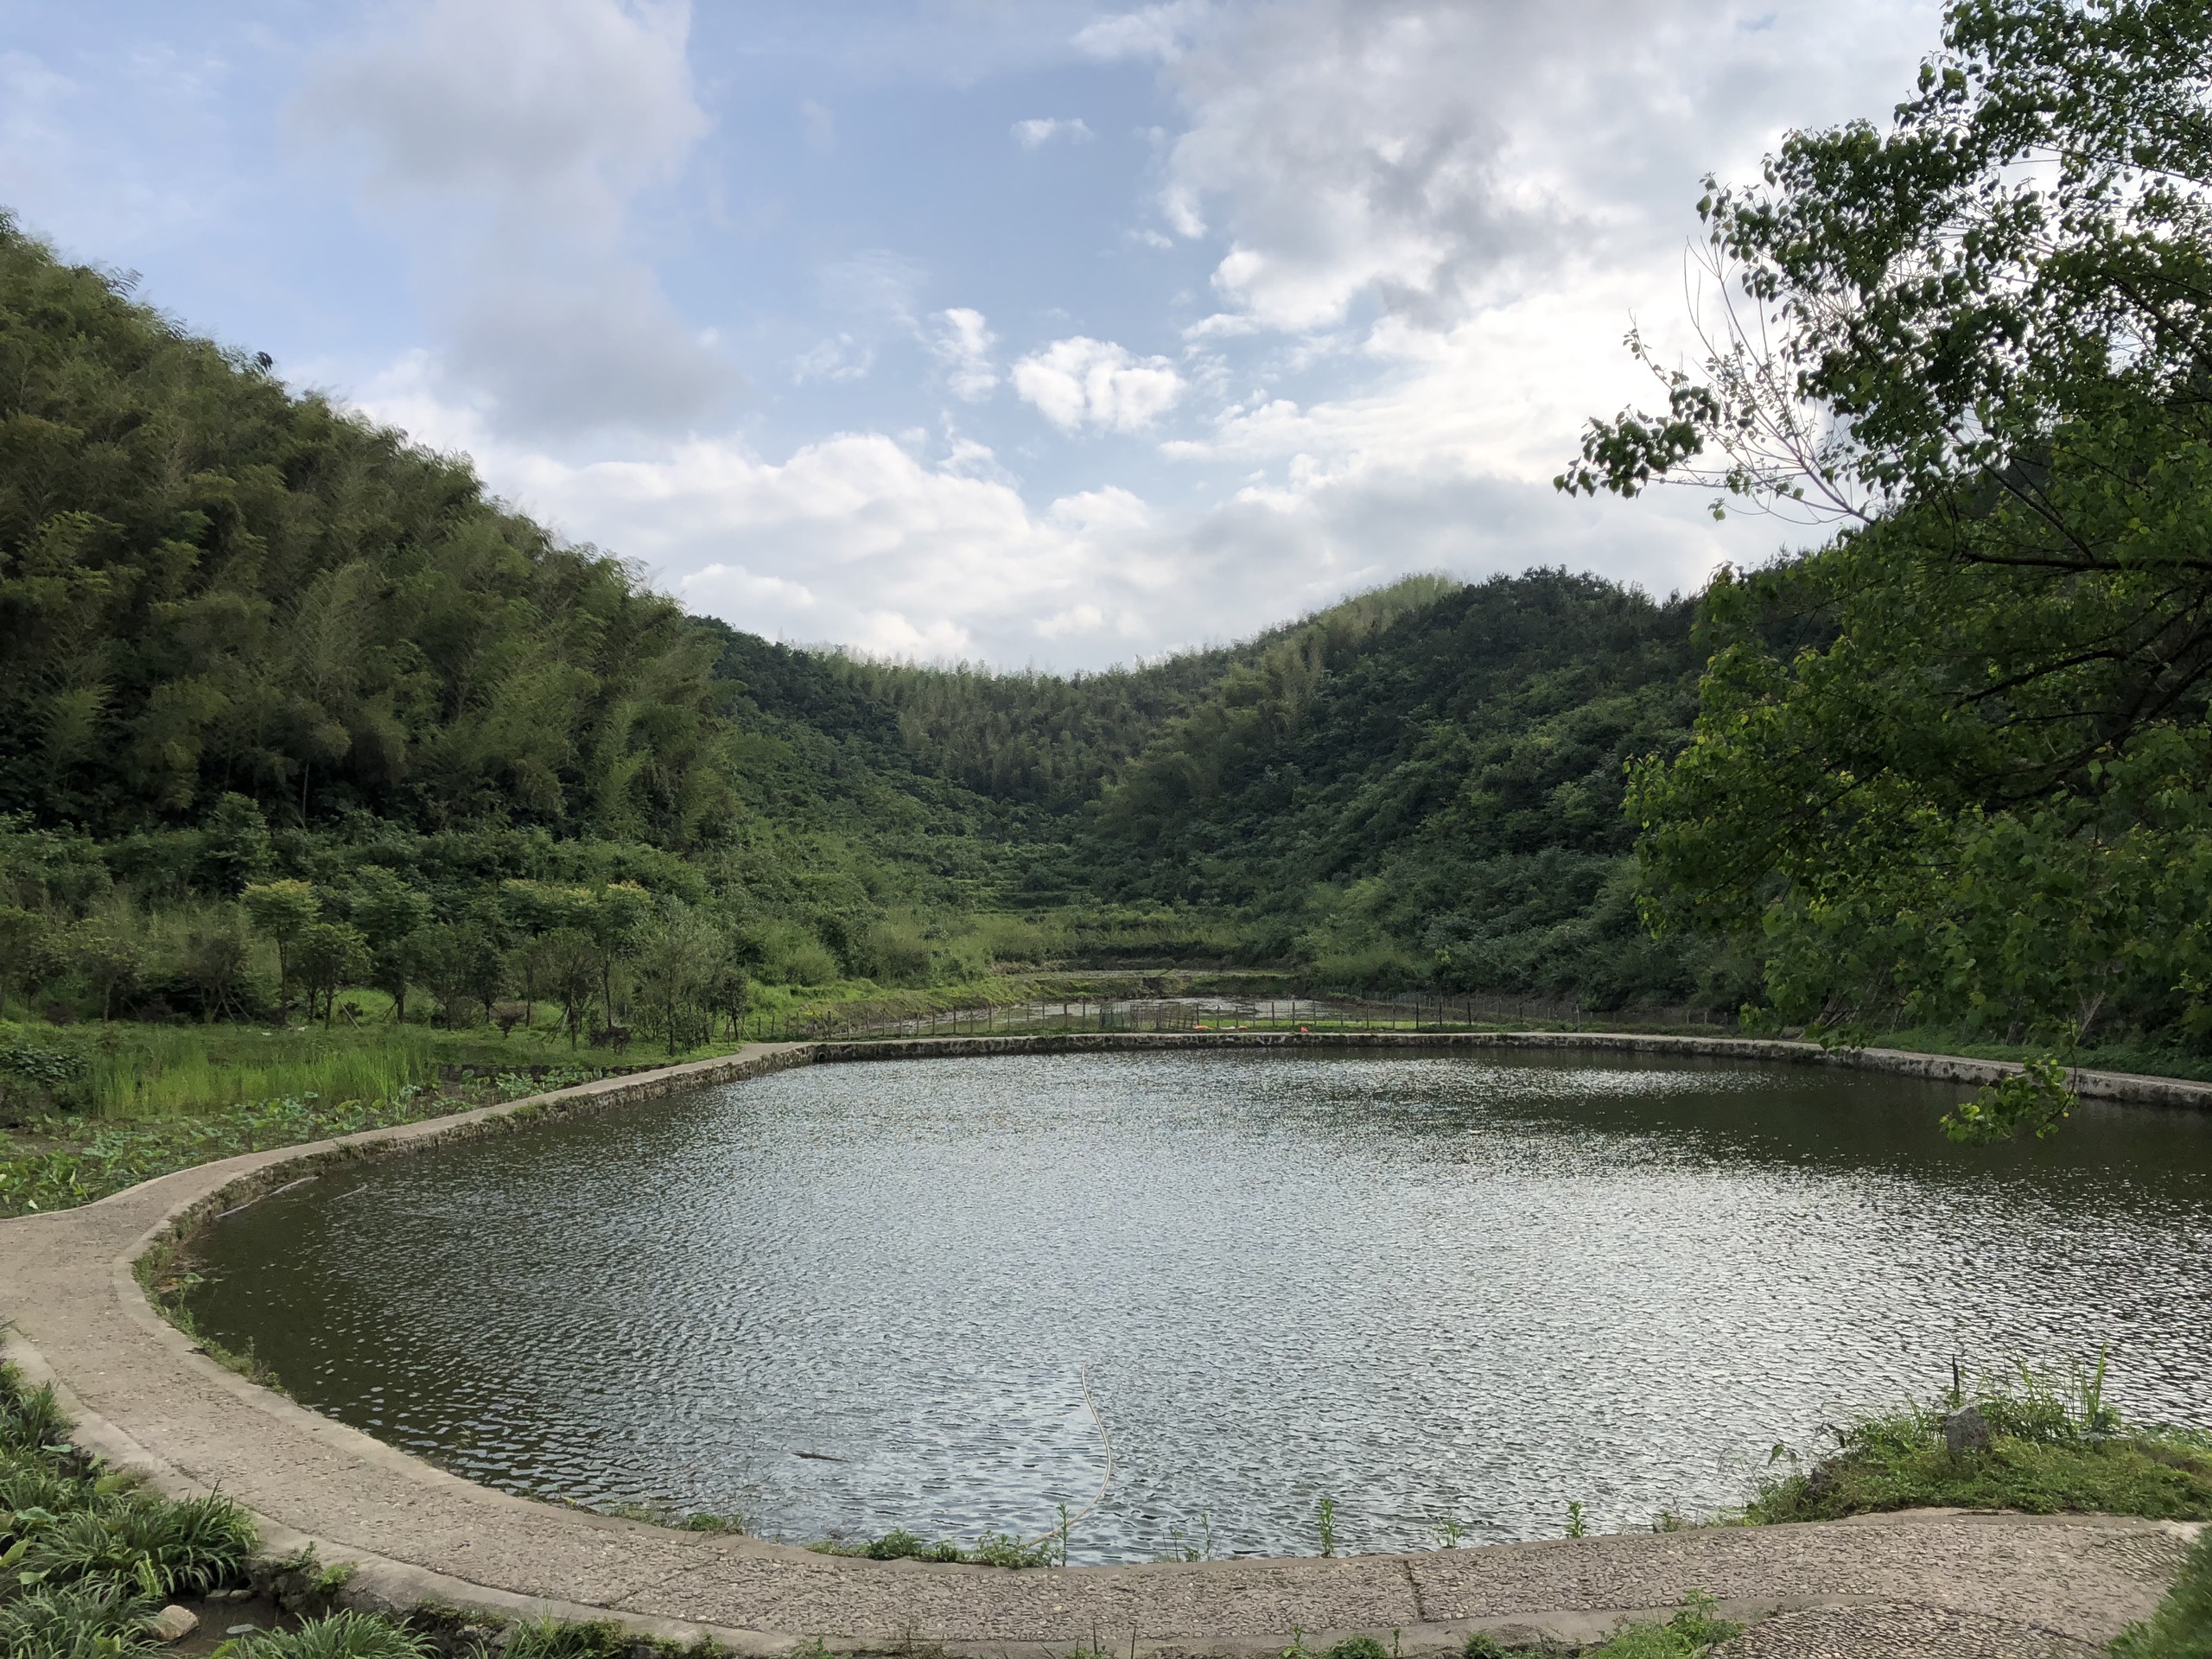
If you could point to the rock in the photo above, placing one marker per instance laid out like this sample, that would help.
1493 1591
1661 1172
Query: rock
1966 1431
173 1624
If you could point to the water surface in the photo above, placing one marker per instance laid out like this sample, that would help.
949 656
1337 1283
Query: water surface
1425 1285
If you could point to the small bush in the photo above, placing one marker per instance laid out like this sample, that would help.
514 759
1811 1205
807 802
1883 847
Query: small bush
1358 1647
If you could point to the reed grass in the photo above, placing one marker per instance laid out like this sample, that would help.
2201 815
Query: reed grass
168 1071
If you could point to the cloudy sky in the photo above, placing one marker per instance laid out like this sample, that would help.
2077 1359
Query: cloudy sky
1024 331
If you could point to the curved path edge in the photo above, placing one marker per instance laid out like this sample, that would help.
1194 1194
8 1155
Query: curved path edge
146 1397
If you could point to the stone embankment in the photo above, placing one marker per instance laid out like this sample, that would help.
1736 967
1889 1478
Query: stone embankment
1927 1583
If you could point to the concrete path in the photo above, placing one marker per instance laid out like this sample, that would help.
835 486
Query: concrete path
1927 1583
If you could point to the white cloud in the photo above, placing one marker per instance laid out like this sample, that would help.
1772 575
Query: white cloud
1152 32
1080 381
838 360
509 139
858 538
961 341
1436 158
1036 133
561 107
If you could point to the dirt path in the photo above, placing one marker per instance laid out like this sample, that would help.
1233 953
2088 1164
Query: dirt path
1927 1583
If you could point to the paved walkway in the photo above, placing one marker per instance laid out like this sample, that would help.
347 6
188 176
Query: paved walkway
1928 1584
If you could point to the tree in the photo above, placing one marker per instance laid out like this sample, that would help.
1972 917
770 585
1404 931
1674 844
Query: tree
1954 765
331 955
675 964
215 959
388 913
566 963
284 911
619 914
24 942
109 960
729 988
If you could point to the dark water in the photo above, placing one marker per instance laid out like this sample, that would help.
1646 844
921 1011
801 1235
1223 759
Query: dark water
1422 1285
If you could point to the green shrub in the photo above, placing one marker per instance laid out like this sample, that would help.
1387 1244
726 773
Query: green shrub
1358 1647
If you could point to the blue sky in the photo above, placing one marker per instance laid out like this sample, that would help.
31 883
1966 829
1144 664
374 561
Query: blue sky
1040 332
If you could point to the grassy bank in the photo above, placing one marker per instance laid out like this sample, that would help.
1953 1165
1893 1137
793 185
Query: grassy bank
2031 1441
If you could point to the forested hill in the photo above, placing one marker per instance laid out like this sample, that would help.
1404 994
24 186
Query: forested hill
244 635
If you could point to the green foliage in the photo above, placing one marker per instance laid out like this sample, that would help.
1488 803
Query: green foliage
2055 1445
90 1620
1697 1628
208 587
2182 1628
2035 1098
334 1635
1953 768
992 1549
82 1565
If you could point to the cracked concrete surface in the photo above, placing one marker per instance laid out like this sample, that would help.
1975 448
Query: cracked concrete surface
1925 1582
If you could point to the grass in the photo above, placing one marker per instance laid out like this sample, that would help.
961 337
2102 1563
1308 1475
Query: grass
2053 1445
2182 1628
89 1558
992 1549
2126 1054
58 1161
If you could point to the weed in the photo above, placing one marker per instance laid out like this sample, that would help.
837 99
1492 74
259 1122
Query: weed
1326 1514
165 1547
552 1638
1358 1647
1184 1549
992 1549
1697 1628
1448 1532
1575 1527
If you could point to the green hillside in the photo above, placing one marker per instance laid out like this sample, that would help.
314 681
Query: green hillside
294 715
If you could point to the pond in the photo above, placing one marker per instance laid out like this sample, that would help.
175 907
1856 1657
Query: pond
1440 1289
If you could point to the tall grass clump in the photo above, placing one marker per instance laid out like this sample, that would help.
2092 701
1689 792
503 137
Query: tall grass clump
86 1557
165 1072
2032 1440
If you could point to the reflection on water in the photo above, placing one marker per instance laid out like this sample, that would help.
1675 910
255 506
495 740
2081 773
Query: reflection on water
1421 1284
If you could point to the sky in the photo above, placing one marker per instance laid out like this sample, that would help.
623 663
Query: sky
1033 333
